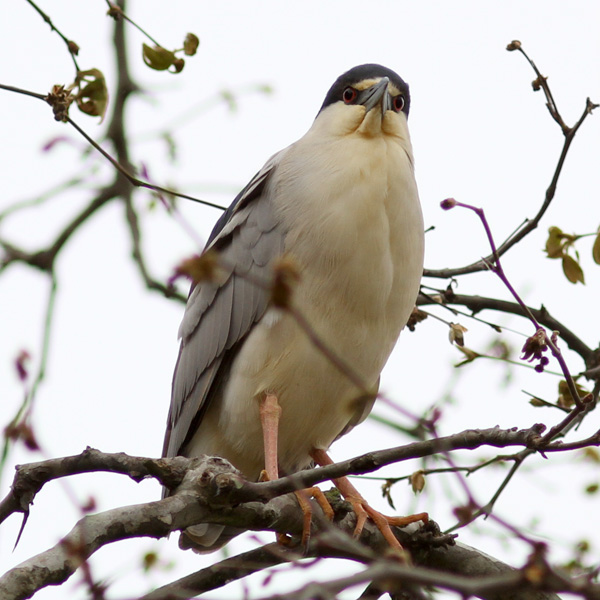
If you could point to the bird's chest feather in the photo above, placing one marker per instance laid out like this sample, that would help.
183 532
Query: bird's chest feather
357 241
357 235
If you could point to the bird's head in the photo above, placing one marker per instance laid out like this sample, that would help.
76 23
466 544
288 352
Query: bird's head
369 100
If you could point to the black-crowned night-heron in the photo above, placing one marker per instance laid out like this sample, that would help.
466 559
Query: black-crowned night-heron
342 204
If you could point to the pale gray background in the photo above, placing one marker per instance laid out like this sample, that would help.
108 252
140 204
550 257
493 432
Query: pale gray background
479 134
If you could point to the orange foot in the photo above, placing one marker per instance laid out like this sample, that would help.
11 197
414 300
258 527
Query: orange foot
303 497
364 511
383 522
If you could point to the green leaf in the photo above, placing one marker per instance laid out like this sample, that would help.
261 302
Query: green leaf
92 98
470 355
596 249
572 270
565 400
157 57
554 244
190 45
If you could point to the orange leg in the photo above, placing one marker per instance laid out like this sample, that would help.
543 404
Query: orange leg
362 508
270 412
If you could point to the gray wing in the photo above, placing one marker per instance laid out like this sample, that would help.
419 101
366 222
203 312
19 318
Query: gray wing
219 314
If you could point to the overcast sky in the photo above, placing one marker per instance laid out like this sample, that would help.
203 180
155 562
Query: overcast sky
479 134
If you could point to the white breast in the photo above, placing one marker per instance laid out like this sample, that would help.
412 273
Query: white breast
358 241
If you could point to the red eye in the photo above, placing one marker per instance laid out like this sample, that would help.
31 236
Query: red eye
349 95
398 102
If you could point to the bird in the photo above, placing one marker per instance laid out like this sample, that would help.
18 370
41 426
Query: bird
341 205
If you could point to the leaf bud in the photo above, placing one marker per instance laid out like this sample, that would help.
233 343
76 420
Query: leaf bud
448 203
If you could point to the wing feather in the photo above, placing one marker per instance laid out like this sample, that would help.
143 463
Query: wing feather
219 314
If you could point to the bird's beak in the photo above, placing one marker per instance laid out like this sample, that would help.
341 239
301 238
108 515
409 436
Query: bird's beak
375 95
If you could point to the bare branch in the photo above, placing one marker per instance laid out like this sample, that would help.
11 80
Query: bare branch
71 182
203 497
478 303
30 394
72 47
529 224
29 479
45 259
132 180
195 502
461 569
168 291
224 572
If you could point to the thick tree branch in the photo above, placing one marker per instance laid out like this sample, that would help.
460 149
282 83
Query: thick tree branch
457 566
30 478
195 503
154 519
367 463
406 580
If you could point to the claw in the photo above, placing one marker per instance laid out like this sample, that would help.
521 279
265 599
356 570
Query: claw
363 511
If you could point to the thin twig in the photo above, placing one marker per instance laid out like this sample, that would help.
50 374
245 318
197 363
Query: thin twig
41 198
41 372
117 10
530 224
138 256
45 259
133 180
16 90
478 303
541 82
496 267
69 43
224 572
